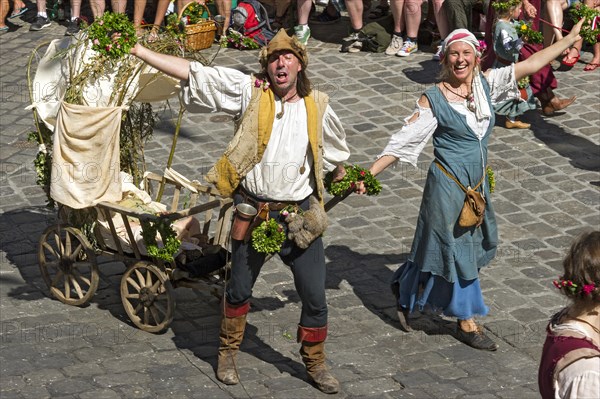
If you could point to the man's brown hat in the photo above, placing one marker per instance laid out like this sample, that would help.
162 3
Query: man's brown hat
283 42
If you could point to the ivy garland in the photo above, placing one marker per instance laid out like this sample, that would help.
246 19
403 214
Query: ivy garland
268 237
169 238
354 174
491 178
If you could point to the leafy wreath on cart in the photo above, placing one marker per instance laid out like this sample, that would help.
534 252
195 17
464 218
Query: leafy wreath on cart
169 238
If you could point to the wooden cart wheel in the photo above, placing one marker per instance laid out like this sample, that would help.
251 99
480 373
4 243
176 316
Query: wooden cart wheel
148 297
68 265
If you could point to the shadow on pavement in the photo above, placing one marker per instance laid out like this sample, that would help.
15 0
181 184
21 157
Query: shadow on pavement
581 152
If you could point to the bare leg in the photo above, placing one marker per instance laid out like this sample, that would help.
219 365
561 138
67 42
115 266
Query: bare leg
139 6
555 9
304 7
355 12
161 9
98 7
118 6
397 7
75 9
224 8
4 6
412 14
440 18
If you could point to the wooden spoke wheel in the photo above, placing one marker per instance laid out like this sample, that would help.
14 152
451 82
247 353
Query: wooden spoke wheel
68 265
148 297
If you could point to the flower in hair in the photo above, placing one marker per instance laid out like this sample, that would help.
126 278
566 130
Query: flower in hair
589 288
262 83
573 288
482 46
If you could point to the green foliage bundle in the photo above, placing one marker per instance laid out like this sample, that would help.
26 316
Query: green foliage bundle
268 237
354 174
169 238
112 35
504 6
580 10
235 39
491 178
527 33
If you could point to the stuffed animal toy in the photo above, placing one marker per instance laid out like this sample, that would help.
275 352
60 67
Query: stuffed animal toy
304 228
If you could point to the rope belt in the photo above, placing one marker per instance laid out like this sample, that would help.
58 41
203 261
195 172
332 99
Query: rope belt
439 165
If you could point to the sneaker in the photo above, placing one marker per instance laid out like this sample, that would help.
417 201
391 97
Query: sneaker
325 18
353 42
40 23
302 33
407 49
73 27
395 45
438 54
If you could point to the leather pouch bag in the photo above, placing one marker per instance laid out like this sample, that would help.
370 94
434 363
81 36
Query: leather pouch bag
473 209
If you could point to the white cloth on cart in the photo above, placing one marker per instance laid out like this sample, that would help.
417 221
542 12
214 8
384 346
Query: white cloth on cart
85 156
133 198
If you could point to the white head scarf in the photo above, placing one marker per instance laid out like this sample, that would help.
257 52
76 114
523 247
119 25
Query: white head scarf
482 107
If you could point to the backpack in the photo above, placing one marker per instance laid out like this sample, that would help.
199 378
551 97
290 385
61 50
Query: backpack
250 18
377 38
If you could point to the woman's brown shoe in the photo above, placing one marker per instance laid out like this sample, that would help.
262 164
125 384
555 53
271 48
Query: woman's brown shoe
517 124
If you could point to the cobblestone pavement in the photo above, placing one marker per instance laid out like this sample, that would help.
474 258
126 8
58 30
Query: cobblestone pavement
547 191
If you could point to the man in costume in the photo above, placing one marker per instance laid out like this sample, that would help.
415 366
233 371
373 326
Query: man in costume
287 137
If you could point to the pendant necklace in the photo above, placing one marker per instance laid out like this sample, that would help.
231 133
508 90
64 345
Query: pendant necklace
302 168
279 115
469 98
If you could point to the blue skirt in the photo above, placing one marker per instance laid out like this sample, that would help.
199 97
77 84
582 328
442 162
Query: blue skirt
462 299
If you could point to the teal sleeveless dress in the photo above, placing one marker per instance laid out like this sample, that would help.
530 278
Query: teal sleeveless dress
443 266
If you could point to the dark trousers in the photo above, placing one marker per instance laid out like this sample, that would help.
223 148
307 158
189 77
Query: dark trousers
307 265
459 14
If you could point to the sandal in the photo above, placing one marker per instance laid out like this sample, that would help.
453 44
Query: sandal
575 59
591 67
379 12
18 12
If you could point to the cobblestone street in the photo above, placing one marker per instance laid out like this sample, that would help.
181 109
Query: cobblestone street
547 191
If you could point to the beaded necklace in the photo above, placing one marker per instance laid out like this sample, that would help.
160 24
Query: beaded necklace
469 98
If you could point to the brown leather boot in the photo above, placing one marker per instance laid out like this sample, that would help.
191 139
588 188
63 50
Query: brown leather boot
313 356
231 335
554 103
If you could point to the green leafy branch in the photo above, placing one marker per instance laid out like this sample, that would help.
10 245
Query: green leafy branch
354 174
169 238
579 11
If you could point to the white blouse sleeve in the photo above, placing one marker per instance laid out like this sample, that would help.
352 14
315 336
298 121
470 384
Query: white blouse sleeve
580 379
215 89
335 149
407 143
503 85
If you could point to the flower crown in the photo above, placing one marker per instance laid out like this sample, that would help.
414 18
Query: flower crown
505 5
574 289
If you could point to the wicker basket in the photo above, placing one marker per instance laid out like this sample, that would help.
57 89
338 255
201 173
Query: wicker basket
201 35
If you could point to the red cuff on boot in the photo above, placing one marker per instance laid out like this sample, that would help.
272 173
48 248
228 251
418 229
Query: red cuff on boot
236 311
312 334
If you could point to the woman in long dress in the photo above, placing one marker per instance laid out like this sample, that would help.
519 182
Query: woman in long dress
443 267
